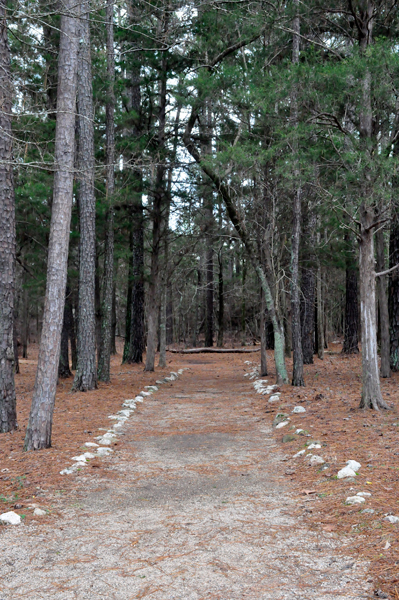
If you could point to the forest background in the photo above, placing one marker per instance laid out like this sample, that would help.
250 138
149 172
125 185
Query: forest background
189 173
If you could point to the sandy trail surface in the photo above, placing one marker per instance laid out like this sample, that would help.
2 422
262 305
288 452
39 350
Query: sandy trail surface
193 505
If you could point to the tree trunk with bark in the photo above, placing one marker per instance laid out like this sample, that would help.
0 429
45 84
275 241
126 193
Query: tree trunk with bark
383 304
38 434
350 345
86 368
8 414
297 374
393 294
64 372
104 359
220 301
263 355
308 286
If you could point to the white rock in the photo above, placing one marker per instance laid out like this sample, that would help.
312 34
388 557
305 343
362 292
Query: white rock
282 424
346 472
316 460
83 457
125 413
299 409
363 494
159 382
143 394
11 518
67 471
180 371
151 388
313 446
91 445
298 454
298 431
354 465
117 418
38 512
139 398
389 518
104 451
355 500
274 398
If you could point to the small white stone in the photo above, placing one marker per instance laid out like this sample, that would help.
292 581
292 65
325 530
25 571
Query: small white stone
38 512
104 451
125 413
389 518
67 471
353 464
91 445
159 382
139 399
313 446
363 494
298 454
282 424
12 518
355 500
274 398
83 457
298 431
180 371
316 460
299 409
346 472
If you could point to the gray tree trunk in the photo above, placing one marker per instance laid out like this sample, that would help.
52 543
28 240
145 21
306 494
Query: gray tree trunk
38 434
8 413
104 359
86 371
383 305
297 375
263 356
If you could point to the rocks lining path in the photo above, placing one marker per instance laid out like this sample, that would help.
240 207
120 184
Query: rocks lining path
194 507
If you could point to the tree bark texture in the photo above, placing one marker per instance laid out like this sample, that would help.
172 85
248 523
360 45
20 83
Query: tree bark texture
38 434
104 360
393 294
8 415
350 345
220 300
297 375
63 366
371 392
319 316
86 369
263 355
308 286
383 304
160 198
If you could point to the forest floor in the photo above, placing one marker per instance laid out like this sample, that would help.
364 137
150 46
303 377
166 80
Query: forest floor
200 498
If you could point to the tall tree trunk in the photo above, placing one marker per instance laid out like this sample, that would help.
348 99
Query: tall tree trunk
350 345
63 366
25 319
169 313
220 300
383 304
263 356
158 214
114 321
86 368
308 287
8 413
393 293
297 375
104 359
38 434
319 316
371 390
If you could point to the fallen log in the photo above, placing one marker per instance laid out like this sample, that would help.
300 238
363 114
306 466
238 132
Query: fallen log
218 350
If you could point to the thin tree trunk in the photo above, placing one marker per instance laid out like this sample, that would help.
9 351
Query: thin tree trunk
158 216
86 368
320 315
220 301
162 330
104 360
297 375
8 414
169 313
393 294
383 304
113 322
63 366
308 287
263 356
38 434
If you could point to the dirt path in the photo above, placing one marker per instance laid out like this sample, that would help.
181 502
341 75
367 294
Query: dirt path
193 505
